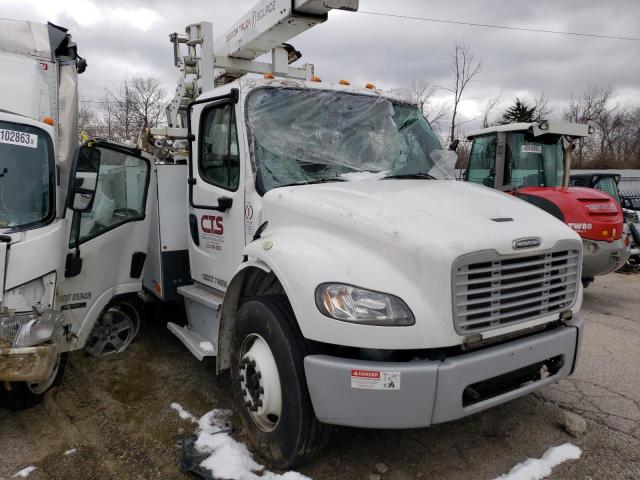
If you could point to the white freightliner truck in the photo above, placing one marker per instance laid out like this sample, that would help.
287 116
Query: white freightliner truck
333 278
395 301
69 277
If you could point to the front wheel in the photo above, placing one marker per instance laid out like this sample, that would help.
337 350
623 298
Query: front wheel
269 384
22 395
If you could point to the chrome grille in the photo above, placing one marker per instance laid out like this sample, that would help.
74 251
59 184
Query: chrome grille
491 291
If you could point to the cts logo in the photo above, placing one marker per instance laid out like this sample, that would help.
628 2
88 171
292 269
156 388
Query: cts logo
212 224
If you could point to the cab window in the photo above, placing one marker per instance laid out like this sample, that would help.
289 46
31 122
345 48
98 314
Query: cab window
482 160
218 161
120 195
534 161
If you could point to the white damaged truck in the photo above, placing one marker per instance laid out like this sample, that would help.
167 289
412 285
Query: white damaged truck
333 277
71 259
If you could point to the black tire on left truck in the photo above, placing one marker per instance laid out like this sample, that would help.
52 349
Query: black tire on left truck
22 395
296 436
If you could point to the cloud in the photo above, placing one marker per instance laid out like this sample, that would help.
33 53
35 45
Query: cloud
130 37
86 13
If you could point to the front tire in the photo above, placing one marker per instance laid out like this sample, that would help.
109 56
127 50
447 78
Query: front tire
23 395
269 383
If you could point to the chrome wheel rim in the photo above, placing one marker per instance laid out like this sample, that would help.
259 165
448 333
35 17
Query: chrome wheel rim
113 332
260 383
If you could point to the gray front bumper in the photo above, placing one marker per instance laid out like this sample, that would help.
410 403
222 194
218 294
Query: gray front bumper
609 256
431 391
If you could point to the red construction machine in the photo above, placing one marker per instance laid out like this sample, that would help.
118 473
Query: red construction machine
532 161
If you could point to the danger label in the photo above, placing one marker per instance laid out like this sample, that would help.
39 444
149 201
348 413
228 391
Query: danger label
375 380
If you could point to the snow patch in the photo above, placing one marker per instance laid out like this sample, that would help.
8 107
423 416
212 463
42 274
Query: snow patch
71 451
25 472
363 176
228 458
207 347
537 469
184 414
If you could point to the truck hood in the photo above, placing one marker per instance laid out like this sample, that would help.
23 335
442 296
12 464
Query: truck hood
401 237
451 217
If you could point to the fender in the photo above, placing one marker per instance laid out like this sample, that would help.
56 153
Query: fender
301 260
230 305
83 329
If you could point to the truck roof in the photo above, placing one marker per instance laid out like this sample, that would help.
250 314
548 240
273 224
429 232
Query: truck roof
33 39
537 128
247 83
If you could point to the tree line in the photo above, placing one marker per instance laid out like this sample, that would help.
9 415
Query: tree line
122 112
614 144
140 102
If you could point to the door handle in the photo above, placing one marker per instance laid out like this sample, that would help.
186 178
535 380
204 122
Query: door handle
224 203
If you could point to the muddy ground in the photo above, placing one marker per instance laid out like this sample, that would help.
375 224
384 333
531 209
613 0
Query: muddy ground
116 414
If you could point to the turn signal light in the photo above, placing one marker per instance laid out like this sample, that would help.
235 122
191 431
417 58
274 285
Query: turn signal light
268 75
370 86
344 82
315 78
48 120
605 233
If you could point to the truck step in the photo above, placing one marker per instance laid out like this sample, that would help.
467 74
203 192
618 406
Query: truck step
198 345
202 294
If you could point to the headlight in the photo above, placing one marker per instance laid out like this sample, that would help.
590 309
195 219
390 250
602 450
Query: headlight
10 325
357 305
28 329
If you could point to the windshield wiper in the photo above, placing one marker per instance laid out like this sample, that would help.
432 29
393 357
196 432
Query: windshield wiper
411 175
312 182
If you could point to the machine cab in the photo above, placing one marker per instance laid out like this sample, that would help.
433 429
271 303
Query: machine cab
518 155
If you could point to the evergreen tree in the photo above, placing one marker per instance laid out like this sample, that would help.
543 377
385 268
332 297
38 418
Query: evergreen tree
519 112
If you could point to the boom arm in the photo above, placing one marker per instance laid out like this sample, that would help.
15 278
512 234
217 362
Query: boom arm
264 29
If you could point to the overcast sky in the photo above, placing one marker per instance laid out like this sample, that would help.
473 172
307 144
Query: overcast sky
130 37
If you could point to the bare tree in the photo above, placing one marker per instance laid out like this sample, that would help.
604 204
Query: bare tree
465 69
149 100
423 93
88 119
587 107
119 106
543 110
488 109
133 104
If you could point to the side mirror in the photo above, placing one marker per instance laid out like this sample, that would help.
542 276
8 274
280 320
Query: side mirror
453 146
84 179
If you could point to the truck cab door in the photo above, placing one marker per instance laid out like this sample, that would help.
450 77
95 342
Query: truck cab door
109 230
216 193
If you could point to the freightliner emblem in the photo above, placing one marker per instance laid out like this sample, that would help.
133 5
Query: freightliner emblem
528 242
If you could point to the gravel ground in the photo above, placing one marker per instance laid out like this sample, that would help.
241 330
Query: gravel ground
115 413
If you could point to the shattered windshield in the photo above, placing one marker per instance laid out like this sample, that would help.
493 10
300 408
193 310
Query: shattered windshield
306 135
26 175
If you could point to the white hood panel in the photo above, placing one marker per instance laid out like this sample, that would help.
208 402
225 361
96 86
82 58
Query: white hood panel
449 216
